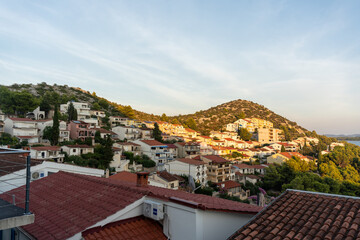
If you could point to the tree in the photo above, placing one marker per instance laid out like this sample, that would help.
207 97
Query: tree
157 133
244 134
164 118
128 111
96 106
104 104
72 113
283 148
190 123
7 139
55 128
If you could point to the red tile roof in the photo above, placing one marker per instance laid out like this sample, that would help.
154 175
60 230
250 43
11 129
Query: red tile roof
305 215
292 154
22 119
216 159
102 130
171 146
191 161
78 146
125 176
153 143
65 203
46 148
128 229
167 176
127 143
229 184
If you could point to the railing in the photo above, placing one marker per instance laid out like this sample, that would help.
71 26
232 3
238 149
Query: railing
5 166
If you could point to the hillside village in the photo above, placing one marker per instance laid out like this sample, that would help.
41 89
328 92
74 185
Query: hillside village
161 163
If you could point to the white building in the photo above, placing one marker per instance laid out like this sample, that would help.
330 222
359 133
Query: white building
77 150
128 133
117 121
83 112
156 151
22 128
188 166
47 153
40 170
37 114
64 133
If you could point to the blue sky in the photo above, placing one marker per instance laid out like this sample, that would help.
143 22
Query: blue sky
298 58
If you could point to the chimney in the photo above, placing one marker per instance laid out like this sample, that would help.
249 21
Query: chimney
142 179
107 173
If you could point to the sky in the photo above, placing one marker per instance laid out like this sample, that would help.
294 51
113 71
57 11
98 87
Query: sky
300 59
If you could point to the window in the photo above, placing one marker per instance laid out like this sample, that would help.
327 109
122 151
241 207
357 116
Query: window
172 185
74 150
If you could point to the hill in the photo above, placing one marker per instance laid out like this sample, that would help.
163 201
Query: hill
214 118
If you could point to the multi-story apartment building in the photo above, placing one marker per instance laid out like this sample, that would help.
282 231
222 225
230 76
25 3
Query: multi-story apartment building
218 168
64 134
156 151
267 135
80 130
22 128
145 133
83 109
97 113
118 121
188 149
188 166
128 133
47 153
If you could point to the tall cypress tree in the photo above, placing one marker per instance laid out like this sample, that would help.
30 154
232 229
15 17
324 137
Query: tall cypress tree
72 113
55 127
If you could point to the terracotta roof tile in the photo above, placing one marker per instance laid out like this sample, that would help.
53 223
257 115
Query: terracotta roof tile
80 201
153 143
125 176
305 215
191 161
132 228
215 158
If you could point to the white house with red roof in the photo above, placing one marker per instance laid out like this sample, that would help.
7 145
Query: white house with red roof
47 153
76 203
22 128
282 157
218 168
156 151
189 166
77 150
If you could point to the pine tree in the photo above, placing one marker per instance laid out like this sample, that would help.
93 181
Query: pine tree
157 133
55 127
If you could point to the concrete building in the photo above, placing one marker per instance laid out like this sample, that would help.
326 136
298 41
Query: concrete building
37 114
117 121
52 153
188 166
22 128
82 108
218 168
156 151
127 133
81 130
77 150
188 149
267 135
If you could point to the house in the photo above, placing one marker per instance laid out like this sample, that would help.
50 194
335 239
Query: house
164 179
188 166
156 151
206 149
173 149
37 114
64 133
305 215
124 176
77 203
22 128
77 150
243 178
145 133
52 153
282 157
105 133
218 168
127 133
191 133
118 162
81 130
117 121
99 114
188 149
336 144
288 146
129 147
82 108
234 189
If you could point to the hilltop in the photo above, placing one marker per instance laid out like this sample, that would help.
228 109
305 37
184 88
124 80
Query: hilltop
214 118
